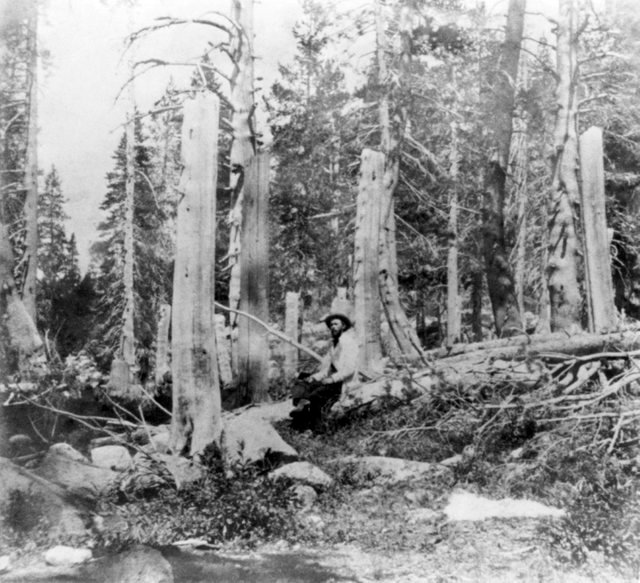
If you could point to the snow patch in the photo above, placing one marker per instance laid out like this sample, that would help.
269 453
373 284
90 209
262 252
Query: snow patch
467 506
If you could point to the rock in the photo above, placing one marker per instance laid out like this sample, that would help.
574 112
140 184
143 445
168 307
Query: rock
115 457
303 472
160 440
138 565
306 495
5 563
468 506
107 440
183 470
249 438
21 444
389 470
66 451
80 478
47 499
452 461
62 556
153 438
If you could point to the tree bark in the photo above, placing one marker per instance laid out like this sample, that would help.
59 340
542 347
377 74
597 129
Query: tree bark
162 344
243 145
564 291
602 310
365 257
18 333
453 296
196 420
223 349
253 347
500 280
31 172
403 333
292 330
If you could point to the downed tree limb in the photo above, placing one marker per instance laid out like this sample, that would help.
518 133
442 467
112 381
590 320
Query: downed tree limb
556 342
272 331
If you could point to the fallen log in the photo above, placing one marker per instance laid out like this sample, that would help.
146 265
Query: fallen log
520 361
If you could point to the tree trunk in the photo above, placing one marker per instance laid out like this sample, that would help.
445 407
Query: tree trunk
404 334
31 172
196 420
253 346
500 281
602 310
292 330
243 145
564 291
162 344
18 333
453 296
365 258
223 348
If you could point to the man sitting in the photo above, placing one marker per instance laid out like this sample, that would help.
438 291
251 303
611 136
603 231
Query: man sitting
339 369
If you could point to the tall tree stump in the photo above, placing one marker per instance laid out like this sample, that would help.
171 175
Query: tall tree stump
196 420
253 345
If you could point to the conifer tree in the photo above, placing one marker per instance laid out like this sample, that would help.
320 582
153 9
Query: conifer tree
151 269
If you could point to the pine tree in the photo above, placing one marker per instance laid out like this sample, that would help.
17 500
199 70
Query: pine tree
310 142
59 273
151 267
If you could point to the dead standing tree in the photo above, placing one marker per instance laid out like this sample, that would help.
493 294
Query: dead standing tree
196 420
562 270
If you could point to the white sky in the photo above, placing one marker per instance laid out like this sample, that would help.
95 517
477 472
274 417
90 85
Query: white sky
79 117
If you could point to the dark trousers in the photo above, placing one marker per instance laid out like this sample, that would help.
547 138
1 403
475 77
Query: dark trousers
321 398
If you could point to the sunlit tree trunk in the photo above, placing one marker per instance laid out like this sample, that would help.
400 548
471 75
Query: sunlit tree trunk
597 260
196 420
564 290
253 345
453 296
500 281
31 170
292 330
365 257
243 145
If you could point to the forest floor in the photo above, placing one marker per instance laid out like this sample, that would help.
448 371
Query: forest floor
365 530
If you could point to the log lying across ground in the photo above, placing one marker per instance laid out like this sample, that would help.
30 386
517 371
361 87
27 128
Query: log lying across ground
523 361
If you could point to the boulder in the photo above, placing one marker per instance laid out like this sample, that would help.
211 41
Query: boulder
53 502
115 457
66 451
80 478
20 444
305 495
304 472
138 565
63 556
250 438
5 563
389 470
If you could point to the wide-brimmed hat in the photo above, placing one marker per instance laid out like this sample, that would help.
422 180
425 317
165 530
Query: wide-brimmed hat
337 316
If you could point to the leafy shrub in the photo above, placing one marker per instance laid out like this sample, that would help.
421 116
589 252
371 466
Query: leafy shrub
603 517
238 504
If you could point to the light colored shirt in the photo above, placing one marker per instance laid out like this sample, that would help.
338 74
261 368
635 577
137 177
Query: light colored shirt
343 360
